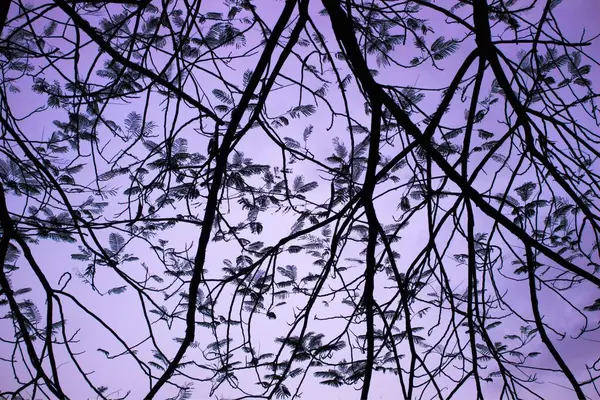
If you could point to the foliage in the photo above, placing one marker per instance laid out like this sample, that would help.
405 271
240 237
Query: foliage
236 199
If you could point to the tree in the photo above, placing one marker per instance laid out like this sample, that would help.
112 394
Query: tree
273 199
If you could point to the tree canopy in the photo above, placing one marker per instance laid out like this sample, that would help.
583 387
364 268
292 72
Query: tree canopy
293 199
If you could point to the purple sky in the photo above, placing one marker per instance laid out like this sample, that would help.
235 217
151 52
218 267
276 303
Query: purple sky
124 312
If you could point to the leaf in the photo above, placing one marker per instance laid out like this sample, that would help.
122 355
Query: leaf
294 249
256 227
291 143
116 242
282 392
80 257
483 134
306 110
66 179
21 291
298 183
593 307
452 134
584 70
346 81
290 272
222 96
150 145
117 290
307 187
554 3
133 123
582 82
442 48
526 190
75 169
221 108
50 28
493 325
574 62
307 131
405 203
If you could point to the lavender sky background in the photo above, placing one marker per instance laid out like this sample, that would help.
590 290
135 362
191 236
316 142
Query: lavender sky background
124 312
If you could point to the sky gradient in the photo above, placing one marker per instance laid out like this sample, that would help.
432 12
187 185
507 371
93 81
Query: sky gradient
125 313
